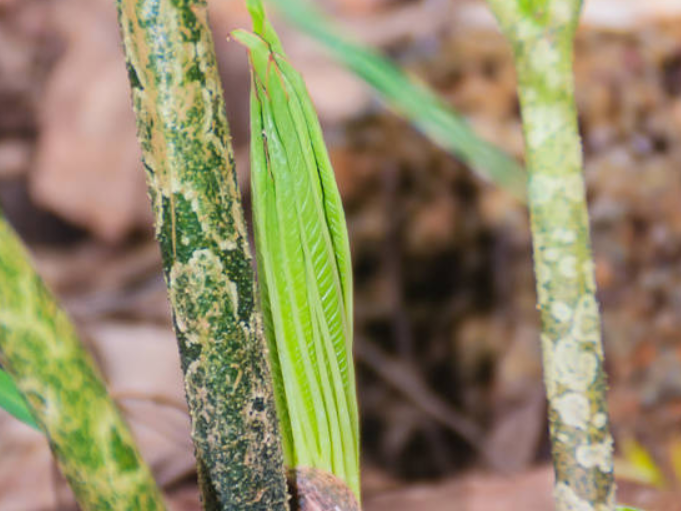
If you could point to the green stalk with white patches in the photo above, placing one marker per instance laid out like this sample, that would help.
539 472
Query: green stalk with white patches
304 264
40 350
200 225
542 33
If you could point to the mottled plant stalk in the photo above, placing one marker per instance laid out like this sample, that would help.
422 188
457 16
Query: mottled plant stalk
542 33
40 349
200 226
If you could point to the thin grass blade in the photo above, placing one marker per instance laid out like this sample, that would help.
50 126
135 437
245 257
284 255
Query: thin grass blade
411 99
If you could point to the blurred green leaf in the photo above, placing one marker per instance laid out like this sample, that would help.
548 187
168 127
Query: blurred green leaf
13 401
421 106
636 464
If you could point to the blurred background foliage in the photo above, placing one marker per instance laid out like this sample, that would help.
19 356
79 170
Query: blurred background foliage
447 334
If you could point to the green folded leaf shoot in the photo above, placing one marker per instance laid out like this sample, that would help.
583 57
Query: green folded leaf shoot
303 262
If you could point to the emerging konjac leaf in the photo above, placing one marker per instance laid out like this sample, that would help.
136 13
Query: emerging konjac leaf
304 264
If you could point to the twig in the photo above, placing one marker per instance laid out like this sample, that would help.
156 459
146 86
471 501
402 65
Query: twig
401 377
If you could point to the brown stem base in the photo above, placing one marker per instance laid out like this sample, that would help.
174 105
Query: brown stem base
313 489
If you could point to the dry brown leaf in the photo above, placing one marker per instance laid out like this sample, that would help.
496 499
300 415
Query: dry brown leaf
28 478
531 491
88 166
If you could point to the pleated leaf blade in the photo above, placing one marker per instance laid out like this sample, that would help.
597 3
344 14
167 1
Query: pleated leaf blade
303 264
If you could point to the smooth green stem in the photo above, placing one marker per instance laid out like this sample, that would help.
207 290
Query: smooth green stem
40 349
542 34
200 226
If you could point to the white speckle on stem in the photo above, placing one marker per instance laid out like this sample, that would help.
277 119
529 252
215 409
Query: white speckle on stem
564 235
550 121
568 267
596 455
599 420
575 368
573 409
561 312
568 500
552 254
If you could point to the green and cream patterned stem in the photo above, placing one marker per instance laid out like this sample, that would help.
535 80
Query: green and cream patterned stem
200 226
542 33
40 349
